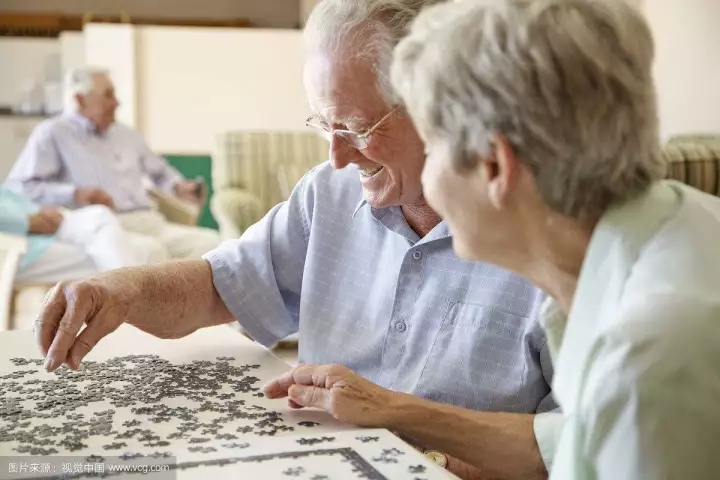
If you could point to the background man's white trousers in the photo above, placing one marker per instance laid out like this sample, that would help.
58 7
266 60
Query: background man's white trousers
181 241
91 240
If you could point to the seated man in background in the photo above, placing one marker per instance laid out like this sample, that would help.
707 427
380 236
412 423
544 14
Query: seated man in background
71 245
85 158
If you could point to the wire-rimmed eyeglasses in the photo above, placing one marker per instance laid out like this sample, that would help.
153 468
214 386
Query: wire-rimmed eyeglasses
356 140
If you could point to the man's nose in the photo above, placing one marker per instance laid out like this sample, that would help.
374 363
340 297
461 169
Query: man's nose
341 154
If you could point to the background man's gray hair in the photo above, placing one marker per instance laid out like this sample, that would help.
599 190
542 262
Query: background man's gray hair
363 29
567 82
81 81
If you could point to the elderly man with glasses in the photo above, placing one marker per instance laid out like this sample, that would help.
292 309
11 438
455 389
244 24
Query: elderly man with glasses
355 261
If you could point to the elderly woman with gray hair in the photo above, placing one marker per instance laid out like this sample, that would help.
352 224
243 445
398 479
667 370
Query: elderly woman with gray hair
539 119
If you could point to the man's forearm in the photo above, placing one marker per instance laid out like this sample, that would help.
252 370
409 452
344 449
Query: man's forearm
50 193
175 298
499 445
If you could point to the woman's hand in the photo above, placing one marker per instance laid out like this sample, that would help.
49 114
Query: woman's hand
45 222
336 389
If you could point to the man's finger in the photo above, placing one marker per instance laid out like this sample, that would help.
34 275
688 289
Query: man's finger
49 318
94 332
302 374
293 405
76 312
310 396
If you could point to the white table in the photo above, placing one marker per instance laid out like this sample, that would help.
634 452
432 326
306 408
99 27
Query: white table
172 410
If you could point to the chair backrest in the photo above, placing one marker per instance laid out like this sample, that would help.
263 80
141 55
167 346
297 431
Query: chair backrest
695 160
250 160
11 250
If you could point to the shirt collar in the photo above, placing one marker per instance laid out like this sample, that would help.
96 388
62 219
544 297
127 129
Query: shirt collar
83 122
358 207
440 231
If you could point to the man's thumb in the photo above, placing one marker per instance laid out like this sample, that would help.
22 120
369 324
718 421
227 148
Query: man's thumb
309 396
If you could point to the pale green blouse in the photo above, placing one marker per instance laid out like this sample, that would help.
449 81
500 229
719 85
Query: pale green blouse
637 360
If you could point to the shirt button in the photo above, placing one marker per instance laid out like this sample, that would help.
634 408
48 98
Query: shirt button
417 255
401 326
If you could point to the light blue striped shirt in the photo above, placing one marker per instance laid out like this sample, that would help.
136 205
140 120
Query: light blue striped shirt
66 152
365 291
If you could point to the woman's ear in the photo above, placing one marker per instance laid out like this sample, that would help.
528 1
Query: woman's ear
501 171
489 173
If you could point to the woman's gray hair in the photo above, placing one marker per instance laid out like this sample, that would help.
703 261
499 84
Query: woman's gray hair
81 81
367 29
567 82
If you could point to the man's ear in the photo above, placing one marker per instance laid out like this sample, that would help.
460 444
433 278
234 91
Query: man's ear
501 171
79 101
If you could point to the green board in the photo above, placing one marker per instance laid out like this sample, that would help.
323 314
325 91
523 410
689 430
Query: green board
192 166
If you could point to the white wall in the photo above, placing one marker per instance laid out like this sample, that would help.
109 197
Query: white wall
115 47
306 7
198 82
687 64
72 55
22 62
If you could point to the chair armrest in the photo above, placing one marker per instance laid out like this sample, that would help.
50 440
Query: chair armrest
235 209
11 250
175 209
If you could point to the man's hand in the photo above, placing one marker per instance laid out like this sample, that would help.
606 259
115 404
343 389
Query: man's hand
68 306
93 196
190 191
45 222
168 300
336 389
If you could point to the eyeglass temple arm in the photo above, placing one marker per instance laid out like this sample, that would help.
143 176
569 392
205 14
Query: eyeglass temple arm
380 122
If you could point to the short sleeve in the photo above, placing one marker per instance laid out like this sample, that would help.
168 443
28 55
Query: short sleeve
259 276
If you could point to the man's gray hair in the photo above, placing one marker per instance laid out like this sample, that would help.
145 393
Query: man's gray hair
81 81
367 29
567 82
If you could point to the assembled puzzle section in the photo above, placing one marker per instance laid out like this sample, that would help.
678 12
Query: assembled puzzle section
371 455
360 454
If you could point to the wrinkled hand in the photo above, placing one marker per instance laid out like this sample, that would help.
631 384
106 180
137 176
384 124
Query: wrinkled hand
45 222
98 304
336 389
93 196
190 191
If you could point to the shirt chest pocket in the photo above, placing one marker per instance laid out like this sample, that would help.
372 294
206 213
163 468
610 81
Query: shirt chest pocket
477 359
126 162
